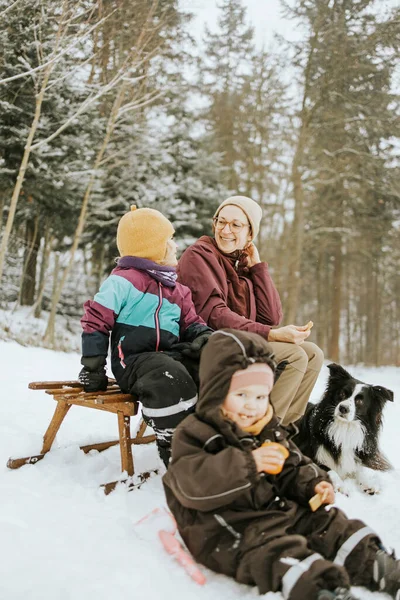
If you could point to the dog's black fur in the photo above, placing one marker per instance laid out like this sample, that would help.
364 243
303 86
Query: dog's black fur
341 432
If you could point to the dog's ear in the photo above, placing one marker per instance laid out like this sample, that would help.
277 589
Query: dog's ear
383 393
337 372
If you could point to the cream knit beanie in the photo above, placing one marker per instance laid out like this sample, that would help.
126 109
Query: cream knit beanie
251 209
144 232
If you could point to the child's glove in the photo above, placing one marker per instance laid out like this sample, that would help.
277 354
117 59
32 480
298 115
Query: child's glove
93 375
196 346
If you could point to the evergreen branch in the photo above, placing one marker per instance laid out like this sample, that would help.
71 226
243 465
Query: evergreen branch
131 62
69 73
134 105
88 102
57 57
9 8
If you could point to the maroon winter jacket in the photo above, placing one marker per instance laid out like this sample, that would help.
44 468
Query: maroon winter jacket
226 293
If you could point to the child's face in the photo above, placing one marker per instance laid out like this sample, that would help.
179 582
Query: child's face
248 397
170 259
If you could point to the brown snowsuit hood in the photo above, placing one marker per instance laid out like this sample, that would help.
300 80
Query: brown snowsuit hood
226 352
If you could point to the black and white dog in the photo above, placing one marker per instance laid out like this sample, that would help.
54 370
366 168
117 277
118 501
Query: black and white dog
341 432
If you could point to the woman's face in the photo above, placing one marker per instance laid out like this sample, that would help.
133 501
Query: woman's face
232 229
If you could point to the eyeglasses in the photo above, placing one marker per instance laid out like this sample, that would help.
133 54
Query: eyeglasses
234 226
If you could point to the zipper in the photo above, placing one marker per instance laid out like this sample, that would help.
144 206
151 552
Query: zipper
156 319
121 353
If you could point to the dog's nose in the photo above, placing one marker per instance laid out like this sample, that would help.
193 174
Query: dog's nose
344 409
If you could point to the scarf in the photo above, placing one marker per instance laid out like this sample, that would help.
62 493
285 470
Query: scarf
165 275
258 426
237 257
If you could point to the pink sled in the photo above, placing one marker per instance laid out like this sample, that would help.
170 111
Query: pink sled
175 548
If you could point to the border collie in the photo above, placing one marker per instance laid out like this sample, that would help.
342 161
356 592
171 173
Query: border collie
341 432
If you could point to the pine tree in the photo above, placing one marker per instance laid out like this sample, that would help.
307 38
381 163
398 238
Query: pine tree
158 157
351 115
225 68
49 189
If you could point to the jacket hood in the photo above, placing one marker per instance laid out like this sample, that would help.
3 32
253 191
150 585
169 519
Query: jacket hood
226 352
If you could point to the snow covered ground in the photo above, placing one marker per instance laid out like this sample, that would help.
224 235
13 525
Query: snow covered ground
63 539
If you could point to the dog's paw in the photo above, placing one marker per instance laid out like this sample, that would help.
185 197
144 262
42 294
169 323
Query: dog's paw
369 488
368 481
343 489
338 484
370 491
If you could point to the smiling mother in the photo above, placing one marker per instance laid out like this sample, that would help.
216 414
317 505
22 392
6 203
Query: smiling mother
232 287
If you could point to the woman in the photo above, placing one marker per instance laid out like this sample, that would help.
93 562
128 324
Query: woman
232 288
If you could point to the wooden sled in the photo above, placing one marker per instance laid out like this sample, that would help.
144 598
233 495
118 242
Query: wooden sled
125 406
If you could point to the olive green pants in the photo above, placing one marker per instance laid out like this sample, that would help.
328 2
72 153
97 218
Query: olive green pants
292 391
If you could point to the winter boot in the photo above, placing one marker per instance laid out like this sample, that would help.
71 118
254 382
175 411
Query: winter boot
164 451
163 440
387 573
336 594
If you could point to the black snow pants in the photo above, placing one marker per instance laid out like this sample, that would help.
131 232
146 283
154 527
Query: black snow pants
300 552
166 391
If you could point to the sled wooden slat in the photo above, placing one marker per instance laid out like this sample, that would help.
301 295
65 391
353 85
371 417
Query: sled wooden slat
70 393
55 385
73 391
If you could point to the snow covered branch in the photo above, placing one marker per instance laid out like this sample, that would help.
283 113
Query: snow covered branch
57 57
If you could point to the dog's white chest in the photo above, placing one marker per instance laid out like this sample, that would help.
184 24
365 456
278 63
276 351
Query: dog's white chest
347 437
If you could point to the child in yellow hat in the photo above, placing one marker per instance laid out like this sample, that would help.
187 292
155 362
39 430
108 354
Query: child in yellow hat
155 331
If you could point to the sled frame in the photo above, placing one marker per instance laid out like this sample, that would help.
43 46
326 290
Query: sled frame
71 393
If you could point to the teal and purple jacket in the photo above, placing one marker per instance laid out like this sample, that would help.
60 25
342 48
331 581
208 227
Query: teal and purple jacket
144 309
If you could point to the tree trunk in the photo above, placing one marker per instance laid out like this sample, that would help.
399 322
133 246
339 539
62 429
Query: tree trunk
2 204
28 283
49 333
22 168
349 354
333 351
377 317
295 242
50 329
98 264
373 315
43 268
320 329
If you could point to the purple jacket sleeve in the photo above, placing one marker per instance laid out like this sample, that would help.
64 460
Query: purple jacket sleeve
202 273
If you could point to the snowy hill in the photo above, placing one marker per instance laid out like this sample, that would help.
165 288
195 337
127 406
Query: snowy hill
63 539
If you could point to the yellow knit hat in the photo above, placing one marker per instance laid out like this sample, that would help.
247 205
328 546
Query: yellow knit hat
144 232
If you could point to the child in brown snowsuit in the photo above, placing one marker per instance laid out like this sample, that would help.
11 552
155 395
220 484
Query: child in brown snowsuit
243 509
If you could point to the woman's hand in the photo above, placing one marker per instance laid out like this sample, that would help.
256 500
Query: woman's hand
292 334
326 491
268 459
253 257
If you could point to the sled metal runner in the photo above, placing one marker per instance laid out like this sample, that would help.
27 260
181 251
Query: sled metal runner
125 406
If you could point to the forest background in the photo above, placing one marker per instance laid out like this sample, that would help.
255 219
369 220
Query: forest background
108 103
